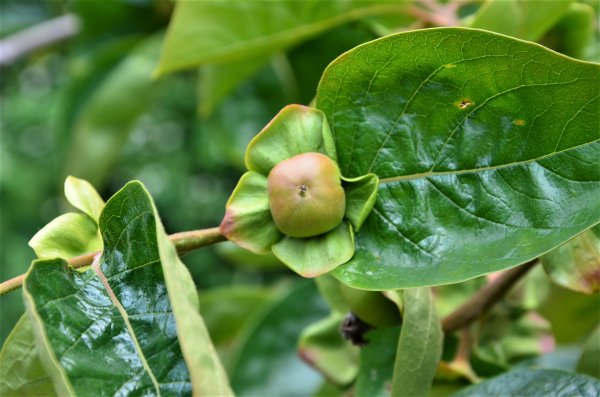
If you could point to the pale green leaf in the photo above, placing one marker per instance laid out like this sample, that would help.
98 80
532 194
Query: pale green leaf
82 195
21 371
524 19
66 236
420 344
576 264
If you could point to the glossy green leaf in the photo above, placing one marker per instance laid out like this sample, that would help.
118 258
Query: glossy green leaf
576 264
519 18
224 31
21 371
420 344
294 130
322 346
66 236
136 312
589 362
486 149
105 120
267 361
377 363
535 383
313 256
82 195
248 221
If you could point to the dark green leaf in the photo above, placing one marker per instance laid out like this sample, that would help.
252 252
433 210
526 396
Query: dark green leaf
535 383
522 19
377 363
576 264
21 371
213 32
486 148
420 344
136 313
267 361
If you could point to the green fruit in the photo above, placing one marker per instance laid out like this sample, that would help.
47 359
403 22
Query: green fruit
371 307
306 195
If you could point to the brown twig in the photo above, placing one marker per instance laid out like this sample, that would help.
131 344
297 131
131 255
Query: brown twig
485 298
185 242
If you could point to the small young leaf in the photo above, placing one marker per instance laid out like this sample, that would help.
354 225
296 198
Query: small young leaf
535 383
82 195
66 236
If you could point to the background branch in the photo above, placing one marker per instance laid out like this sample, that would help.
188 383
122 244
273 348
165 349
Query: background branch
485 298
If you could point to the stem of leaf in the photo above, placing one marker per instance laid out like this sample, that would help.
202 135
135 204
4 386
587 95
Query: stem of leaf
480 303
185 242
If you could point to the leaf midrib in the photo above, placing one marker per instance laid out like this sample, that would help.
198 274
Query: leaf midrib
427 174
125 316
227 53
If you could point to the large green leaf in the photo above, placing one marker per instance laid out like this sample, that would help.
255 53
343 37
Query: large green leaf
486 148
420 344
224 31
267 362
21 371
524 19
136 313
535 383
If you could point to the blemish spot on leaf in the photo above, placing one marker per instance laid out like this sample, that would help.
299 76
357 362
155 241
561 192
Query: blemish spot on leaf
519 122
464 103
450 66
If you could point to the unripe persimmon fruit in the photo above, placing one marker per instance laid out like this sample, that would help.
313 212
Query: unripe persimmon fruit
306 195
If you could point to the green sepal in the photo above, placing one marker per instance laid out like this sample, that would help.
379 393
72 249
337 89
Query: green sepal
322 346
248 221
82 195
313 256
294 130
66 236
361 193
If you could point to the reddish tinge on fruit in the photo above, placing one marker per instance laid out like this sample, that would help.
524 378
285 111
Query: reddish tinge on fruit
306 195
